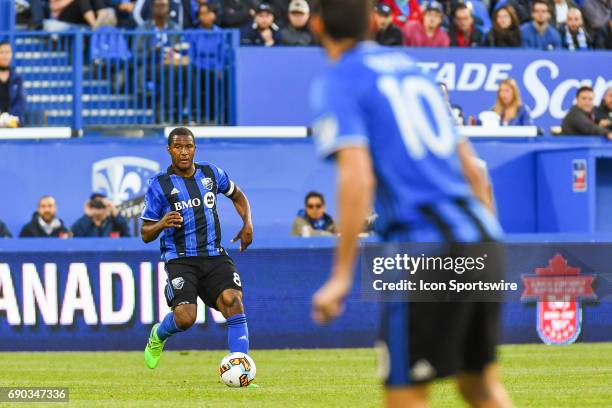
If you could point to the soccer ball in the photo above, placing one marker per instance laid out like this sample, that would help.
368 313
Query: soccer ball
237 370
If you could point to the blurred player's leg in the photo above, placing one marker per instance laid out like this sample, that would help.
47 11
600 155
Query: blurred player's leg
484 390
409 397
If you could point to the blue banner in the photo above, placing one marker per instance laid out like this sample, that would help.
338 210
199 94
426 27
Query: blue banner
278 94
104 294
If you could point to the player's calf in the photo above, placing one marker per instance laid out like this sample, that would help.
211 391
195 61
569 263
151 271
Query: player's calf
230 304
483 390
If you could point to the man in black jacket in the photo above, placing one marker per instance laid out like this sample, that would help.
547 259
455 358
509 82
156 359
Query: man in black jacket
44 223
387 33
580 119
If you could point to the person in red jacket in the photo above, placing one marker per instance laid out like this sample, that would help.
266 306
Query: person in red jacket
404 11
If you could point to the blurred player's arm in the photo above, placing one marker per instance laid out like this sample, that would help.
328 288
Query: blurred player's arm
355 192
150 230
475 174
243 208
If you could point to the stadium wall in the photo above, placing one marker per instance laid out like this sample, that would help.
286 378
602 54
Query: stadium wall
104 294
273 84
534 179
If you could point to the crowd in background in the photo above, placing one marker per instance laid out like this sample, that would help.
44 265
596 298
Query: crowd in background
539 24
100 219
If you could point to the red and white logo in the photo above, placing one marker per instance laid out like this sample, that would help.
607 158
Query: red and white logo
556 289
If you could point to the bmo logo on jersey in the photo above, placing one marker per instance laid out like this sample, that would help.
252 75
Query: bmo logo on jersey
183 205
209 202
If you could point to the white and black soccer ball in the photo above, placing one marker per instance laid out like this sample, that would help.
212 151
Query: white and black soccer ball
237 370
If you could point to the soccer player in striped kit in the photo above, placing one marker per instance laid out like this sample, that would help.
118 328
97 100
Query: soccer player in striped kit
181 206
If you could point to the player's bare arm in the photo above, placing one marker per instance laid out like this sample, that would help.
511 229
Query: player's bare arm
243 208
475 176
150 230
355 192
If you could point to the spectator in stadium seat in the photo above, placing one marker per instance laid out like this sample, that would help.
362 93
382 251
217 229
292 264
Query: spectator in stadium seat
506 31
597 13
428 32
558 11
603 113
580 120
573 33
101 219
263 32
45 223
94 13
404 11
297 31
521 7
235 13
207 17
539 34
313 220
463 33
4 231
12 94
603 37
387 33
179 12
509 107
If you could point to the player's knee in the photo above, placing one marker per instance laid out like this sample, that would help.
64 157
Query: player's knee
232 301
184 318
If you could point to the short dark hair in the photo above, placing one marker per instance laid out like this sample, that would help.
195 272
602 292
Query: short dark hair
582 89
345 18
180 131
210 6
314 194
540 2
5 42
461 6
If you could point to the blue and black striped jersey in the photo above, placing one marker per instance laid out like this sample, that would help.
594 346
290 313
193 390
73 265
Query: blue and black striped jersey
196 199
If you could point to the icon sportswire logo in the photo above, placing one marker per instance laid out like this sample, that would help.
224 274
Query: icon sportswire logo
122 178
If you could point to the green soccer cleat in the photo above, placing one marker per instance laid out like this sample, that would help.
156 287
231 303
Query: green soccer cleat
154 348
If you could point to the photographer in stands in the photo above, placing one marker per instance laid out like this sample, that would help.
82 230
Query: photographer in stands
313 220
45 223
101 219
580 119
12 95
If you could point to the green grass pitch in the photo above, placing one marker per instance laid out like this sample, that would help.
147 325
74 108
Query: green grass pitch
579 375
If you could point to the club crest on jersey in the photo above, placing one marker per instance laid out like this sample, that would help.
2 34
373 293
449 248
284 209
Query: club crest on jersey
556 289
208 183
177 283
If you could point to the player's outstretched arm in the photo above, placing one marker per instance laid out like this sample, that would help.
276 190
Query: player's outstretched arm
150 230
355 191
243 208
475 175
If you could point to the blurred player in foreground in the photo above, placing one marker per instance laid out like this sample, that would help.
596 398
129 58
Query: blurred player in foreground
391 134
181 204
